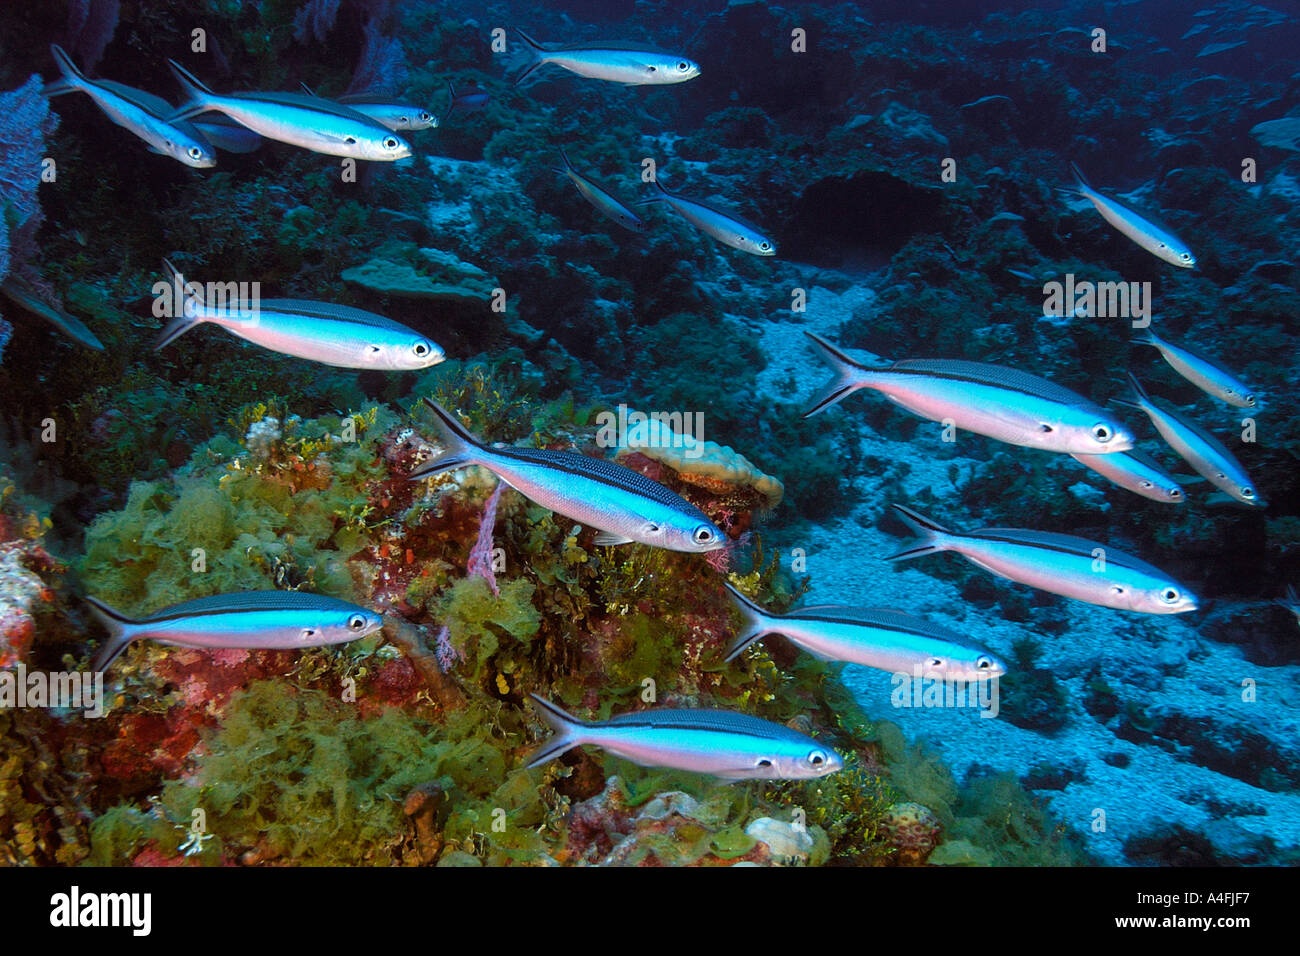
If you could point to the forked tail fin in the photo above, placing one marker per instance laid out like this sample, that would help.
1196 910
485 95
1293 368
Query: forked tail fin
568 732
930 536
460 448
754 622
185 302
848 376
121 631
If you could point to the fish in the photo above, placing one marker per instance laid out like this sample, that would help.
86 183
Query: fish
991 400
605 203
882 638
69 325
393 113
337 335
621 504
254 620
311 122
470 99
720 743
224 133
145 115
726 227
631 64
1137 472
1141 228
1205 453
1203 372
1060 563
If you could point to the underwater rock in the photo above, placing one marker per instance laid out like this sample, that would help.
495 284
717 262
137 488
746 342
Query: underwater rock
790 844
912 830
401 280
1280 133
22 594
719 469
904 123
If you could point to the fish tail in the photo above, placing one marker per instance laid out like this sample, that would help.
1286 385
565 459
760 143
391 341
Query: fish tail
460 448
753 622
196 93
188 316
1139 392
848 376
307 89
73 79
930 535
451 105
1145 337
121 632
1080 181
568 732
529 59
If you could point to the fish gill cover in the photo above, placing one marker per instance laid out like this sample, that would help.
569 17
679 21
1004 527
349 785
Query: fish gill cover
909 164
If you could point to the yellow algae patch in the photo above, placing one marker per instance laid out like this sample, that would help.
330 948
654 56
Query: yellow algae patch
717 468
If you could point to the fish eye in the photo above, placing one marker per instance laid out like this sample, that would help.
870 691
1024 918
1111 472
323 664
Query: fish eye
1169 595
195 152
1250 400
765 245
683 66
984 663
1102 432
390 143
1175 493
1248 492
1187 256
817 758
425 117
420 349
356 622
703 535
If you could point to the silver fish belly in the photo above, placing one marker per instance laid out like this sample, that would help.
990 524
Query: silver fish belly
1001 403
882 638
266 620
726 227
627 63
1062 564
623 505
720 743
605 203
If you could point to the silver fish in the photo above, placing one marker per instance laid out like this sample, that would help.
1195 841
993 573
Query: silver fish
629 63
1060 563
145 115
882 638
1205 373
307 121
726 227
1141 228
393 113
1136 472
1205 453
1002 403
17 293
605 203
337 335
623 505
255 620
721 743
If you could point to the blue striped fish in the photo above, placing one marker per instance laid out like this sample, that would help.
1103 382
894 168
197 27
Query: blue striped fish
604 202
311 122
253 620
1060 563
1151 235
1002 403
632 64
145 115
726 227
337 335
1203 372
1136 472
720 743
622 504
882 638
1205 453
